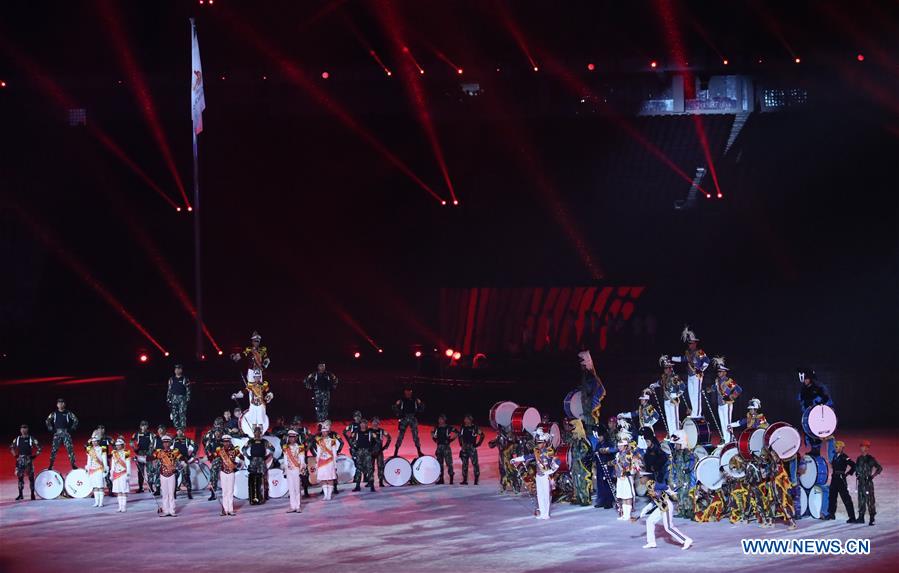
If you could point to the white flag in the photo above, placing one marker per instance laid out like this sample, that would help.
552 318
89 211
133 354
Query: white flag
197 95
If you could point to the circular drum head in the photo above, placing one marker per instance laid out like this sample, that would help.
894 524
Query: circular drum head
556 434
397 471
784 441
311 466
708 472
199 476
277 484
729 452
803 502
757 441
48 484
501 414
807 471
822 421
247 427
700 452
564 455
242 484
77 484
426 470
346 469
572 405
530 420
276 443
816 501
691 432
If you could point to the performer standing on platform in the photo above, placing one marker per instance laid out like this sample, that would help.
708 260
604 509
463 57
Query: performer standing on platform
187 448
592 390
178 396
672 388
327 446
227 456
811 394
168 459
255 355
443 436
120 470
259 396
697 361
363 442
406 409
96 467
726 391
256 451
61 424
866 469
842 467
25 448
660 508
380 445
322 383
470 439
646 416
142 444
294 468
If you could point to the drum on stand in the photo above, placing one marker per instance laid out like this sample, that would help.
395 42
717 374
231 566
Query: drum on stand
553 430
426 470
572 405
816 501
311 466
525 419
563 453
697 431
77 484
397 471
708 472
242 484
782 439
49 484
501 414
730 451
819 421
277 483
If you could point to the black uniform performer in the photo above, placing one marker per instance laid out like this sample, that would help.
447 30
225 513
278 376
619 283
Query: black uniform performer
470 438
256 450
406 409
24 448
349 433
363 442
188 450
842 467
141 443
61 424
322 383
442 436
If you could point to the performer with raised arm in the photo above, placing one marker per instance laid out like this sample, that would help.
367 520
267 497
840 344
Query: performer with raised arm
646 416
61 424
407 409
754 417
25 448
259 395
726 391
142 444
672 388
327 446
294 468
592 391
227 456
97 468
255 356
177 396
443 436
545 465
322 383
168 459
661 508
120 470
697 361
379 447
470 439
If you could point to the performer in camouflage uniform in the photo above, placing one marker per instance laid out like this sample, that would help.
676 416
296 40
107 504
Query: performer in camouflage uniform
508 476
406 409
142 444
866 469
362 442
349 433
380 446
61 424
188 449
25 448
443 435
211 442
178 396
683 461
322 383
470 439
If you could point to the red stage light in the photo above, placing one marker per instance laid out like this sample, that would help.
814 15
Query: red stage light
166 354
455 202
357 354
421 71
202 357
449 353
860 57
325 75
189 208
223 77
653 64
2 84
536 69
389 73
418 353
591 67
178 209
726 62
211 2
443 202
143 357
459 71
220 352
797 60
457 355
380 351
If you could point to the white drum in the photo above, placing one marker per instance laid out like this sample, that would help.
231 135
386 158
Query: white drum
700 452
312 466
708 472
242 484
77 484
728 452
397 471
757 441
426 470
200 475
346 469
501 414
49 484
246 426
807 471
274 441
277 484
803 502
783 439
820 421
816 501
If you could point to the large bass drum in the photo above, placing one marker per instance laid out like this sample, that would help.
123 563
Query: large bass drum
813 470
697 431
346 469
553 430
708 472
242 484
501 414
782 439
200 475
572 405
49 484
77 484
819 421
397 471
277 483
525 419
563 453
426 470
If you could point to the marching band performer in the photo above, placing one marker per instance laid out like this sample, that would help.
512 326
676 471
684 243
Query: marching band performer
726 391
349 432
211 442
153 463
96 467
683 462
603 443
866 469
120 470
660 508
811 394
327 446
780 489
626 464
168 459
256 451
259 395
141 443
406 410
322 383
25 448
592 390
294 468
62 423
842 466
380 445
470 439
177 396
227 455
504 447
581 454
646 416
255 355
443 435
672 388
697 361
187 448
754 417
546 465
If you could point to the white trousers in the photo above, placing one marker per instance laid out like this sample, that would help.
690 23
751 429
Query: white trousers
667 519
695 394
672 415
167 487
294 485
544 498
724 413
227 481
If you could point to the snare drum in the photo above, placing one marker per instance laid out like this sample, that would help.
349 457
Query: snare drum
525 419
572 405
553 430
782 439
819 421
77 484
697 431
708 472
728 452
426 470
563 453
346 469
49 484
501 414
242 484
397 471
277 484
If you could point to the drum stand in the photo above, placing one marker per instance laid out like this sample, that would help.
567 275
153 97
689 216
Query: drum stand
713 413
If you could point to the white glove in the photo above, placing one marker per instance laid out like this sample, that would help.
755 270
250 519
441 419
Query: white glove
237 395
734 425
624 415
268 397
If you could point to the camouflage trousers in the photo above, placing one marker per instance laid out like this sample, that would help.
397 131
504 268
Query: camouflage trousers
215 471
25 466
364 467
866 500
407 422
141 472
178 411
185 477
469 452
444 455
61 437
378 462
322 402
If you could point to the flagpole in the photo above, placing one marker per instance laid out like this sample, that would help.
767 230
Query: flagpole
198 273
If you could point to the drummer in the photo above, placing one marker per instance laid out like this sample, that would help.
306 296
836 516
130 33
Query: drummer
142 444
187 448
25 448
227 455
754 419
811 394
726 391
646 416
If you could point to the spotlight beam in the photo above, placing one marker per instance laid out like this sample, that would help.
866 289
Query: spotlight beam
517 34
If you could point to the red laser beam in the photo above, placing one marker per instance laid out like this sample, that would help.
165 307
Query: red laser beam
408 54
139 86
39 380
443 57
296 76
92 380
517 34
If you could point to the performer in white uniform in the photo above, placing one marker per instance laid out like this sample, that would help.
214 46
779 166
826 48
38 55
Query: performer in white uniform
96 468
626 464
294 463
672 388
726 391
546 465
168 468
259 395
229 456
697 361
661 508
120 470
326 448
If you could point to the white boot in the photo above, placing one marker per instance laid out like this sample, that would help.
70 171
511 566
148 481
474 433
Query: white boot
687 544
96 498
100 498
625 511
326 489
